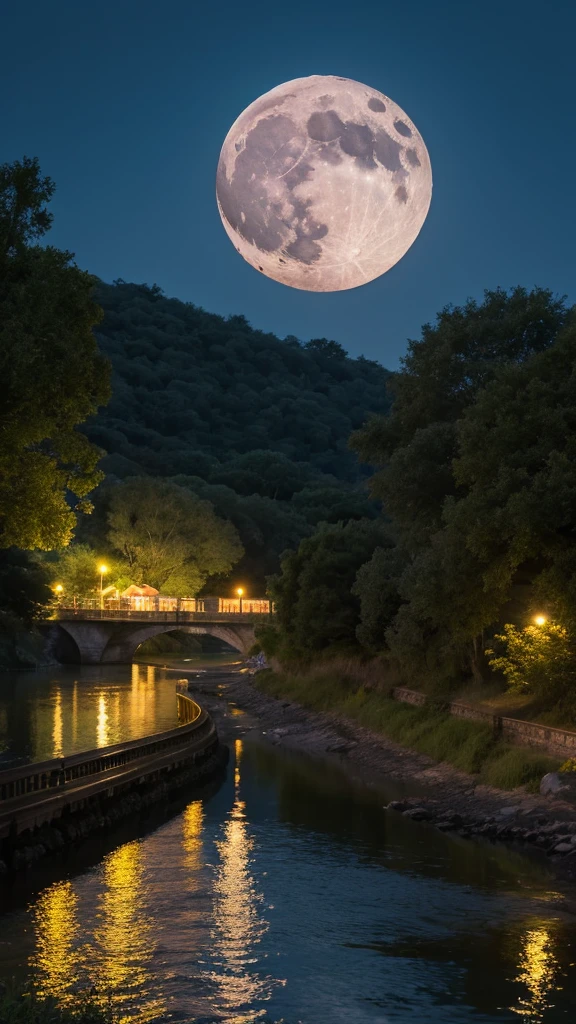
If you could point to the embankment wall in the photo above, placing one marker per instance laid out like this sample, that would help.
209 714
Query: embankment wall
553 741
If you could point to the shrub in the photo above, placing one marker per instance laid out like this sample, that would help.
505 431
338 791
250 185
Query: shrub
33 1009
539 660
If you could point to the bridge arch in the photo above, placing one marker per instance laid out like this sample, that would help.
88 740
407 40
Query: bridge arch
110 643
122 650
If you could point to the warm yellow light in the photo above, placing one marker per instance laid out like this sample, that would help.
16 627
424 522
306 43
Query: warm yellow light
240 591
102 569
58 588
539 620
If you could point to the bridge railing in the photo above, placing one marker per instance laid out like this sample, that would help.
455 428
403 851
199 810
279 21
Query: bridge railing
128 615
183 605
49 775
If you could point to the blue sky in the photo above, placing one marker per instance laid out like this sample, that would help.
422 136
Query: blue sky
127 104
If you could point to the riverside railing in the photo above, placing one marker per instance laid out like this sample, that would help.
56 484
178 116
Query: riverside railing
51 777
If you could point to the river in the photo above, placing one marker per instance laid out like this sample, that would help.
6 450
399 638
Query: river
288 895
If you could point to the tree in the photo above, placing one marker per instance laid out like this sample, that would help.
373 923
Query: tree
377 588
516 470
169 538
333 503
413 449
53 376
76 570
538 660
463 463
313 593
24 587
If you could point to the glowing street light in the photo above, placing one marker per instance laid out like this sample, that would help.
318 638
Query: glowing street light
58 589
540 620
102 569
240 591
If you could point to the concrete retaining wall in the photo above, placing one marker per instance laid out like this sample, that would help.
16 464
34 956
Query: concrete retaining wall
556 742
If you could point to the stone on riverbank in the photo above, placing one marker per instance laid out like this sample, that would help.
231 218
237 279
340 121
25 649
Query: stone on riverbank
556 784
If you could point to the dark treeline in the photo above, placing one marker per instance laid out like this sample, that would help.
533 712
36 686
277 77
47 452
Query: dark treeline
474 467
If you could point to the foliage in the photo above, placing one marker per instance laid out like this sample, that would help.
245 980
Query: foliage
517 766
376 586
76 570
53 376
315 605
473 469
24 596
195 392
266 527
168 538
538 660
268 640
30 1008
441 377
24 587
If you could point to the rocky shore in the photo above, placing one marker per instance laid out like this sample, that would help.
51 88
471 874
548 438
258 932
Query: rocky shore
437 794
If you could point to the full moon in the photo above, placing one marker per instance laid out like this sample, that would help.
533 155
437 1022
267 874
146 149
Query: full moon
323 183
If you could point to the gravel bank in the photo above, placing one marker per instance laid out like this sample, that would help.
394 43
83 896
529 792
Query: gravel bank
437 793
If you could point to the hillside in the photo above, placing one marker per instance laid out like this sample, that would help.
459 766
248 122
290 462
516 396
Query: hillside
257 425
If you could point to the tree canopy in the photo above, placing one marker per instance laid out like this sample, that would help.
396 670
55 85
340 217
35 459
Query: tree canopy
169 538
53 375
474 472
316 605
474 466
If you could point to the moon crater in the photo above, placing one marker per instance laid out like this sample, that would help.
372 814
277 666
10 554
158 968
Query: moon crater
323 183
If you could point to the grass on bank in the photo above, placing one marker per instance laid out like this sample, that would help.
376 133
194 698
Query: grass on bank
32 1009
342 687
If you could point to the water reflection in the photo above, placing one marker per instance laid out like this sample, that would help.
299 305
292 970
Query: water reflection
57 728
57 929
192 819
368 918
60 711
238 923
75 713
124 938
102 732
538 972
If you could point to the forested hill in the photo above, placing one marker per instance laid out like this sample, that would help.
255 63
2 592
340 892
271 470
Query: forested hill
257 426
192 390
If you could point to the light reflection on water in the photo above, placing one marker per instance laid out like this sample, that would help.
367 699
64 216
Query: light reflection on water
538 971
238 925
124 941
56 929
289 896
51 714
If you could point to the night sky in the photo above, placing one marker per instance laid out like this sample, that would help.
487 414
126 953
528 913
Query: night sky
127 103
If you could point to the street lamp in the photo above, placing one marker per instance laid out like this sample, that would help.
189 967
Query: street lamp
58 591
102 569
240 591
540 620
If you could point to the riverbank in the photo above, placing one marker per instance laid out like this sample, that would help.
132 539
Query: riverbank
438 793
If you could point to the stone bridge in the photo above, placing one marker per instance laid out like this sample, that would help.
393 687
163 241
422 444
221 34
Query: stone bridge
107 638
